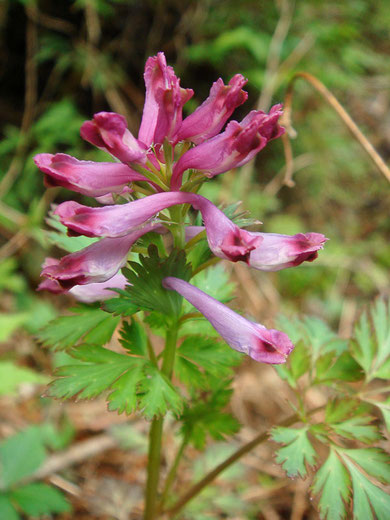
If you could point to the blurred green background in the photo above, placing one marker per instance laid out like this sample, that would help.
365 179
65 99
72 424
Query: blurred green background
62 61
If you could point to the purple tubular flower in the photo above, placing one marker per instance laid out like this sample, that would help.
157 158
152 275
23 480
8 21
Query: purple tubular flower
209 118
281 251
108 131
234 147
164 101
96 263
87 293
87 177
119 220
261 344
99 291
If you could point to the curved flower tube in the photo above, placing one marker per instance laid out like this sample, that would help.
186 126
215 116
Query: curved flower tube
278 252
96 263
208 119
273 252
108 131
164 101
234 147
90 293
255 340
87 177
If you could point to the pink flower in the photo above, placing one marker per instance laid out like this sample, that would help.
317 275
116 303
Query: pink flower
162 115
261 344
87 293
209 118
281 251
108 131
96 263
237 145
87 177
118 220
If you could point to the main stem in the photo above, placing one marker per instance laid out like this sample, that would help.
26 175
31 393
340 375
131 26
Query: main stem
156 428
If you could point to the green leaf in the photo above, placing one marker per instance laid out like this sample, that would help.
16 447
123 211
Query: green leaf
90 324
384 407
145 279
334 367
21 455
11 376
9 323
363 349
366 494
298 450
381 320
374 461
7 510
332 482
158 394
124 395
215 357
339 409
40 499
204 415
358 428
134 338
120 306
97 370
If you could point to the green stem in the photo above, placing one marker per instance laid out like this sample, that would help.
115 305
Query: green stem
154 457
156 428
197 488
172 472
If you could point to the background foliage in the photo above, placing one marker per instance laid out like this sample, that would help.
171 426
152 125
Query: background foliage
63 61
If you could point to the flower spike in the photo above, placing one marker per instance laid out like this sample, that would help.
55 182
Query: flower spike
255 340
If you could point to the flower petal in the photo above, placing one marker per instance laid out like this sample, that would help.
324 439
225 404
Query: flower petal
281 251
237 145
260 343
108 131
96 263
208 119
164 102
87 177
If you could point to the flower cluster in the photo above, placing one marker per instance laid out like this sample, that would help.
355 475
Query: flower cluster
164 168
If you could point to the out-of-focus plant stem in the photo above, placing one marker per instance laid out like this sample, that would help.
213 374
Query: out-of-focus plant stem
341 112
207 479
156 428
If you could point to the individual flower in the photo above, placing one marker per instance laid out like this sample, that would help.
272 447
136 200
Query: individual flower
89 293
261 344
162 115
208 119
87 177
108 131
96 263
234 147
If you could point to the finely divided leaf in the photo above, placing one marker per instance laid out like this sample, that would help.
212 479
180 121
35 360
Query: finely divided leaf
134 338
158 394
124 395
332 482
298 450
90 324
374 461
366 494
97 370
